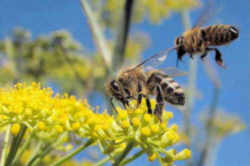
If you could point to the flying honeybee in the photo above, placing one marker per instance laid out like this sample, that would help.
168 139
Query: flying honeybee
202 39
136 83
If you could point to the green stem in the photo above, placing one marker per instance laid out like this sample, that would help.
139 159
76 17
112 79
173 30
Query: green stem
40 152
41 155
132 158
72 154
191 78
5 146
191 84
102 161
35 153
124 154
99 39
16 141
209 125
122 35
22 149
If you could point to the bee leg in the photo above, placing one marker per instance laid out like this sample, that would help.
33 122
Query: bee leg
180 54
125 103
140 96
160 102
203 55
218 56
149 106
139 99
112 104
191 56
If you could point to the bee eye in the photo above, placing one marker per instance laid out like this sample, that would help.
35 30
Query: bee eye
115 85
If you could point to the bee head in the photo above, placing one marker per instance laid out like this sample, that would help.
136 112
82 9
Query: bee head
116 90
179 41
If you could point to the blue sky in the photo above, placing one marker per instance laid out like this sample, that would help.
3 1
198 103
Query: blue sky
44 16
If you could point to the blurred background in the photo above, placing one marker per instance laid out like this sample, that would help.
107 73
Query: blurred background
76 49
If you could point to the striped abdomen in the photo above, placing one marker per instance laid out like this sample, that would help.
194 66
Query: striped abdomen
173 93
220 34
171 90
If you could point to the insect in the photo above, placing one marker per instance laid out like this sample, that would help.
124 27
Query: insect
136 83
203 39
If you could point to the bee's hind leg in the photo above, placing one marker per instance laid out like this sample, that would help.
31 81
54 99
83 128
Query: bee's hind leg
160 102
218 56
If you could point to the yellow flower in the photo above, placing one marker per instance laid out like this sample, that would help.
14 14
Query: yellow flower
148 118
170 156
59 128
155 128
152 157
145 131
55 117
136 122
15 128
183 155
75 126
174 127
122 114
125 124
41 125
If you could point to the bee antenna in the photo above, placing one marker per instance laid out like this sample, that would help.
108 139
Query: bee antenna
155 56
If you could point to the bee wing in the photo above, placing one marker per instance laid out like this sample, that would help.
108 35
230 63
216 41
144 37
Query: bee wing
206 14
159 59
174 72
170 71
156 59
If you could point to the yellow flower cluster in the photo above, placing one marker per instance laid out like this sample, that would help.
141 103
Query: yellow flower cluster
49 117
145 131
225 124
46 115
154 10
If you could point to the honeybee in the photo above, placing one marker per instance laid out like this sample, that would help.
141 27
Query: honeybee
199 40
136 83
